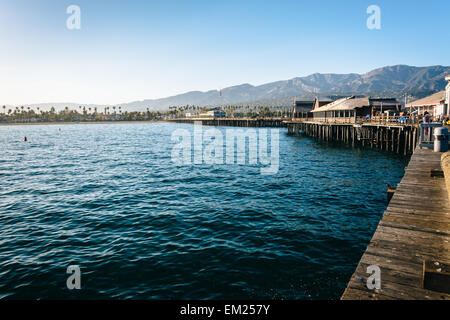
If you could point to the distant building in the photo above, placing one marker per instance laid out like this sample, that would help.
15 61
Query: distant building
447 95
435 104
213 113
352 109
302 108
320 102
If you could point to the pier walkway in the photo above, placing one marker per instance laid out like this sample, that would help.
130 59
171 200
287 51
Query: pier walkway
415 228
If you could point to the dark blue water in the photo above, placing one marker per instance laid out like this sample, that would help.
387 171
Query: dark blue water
108 198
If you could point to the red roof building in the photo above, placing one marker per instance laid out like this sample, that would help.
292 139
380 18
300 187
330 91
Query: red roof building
447 94
435 105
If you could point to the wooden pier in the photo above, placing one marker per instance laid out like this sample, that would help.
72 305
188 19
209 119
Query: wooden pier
236 122
396 138
411 245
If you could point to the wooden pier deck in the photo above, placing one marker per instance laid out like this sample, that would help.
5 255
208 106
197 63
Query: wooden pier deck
415 228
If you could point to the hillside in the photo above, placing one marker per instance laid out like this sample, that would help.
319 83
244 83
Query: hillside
392 81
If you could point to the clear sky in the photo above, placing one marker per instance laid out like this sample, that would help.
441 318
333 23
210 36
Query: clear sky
134 50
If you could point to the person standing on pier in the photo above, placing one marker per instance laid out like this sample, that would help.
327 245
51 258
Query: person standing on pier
426 119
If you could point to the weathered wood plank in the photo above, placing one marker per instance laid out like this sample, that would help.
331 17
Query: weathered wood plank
415 228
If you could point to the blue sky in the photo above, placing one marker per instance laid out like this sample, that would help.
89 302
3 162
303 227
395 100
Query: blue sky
134 50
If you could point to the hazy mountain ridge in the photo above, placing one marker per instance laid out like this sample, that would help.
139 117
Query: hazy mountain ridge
392 81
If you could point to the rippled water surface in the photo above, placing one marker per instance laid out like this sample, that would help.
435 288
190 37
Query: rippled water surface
108 198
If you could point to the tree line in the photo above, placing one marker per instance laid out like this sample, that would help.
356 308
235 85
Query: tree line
82 113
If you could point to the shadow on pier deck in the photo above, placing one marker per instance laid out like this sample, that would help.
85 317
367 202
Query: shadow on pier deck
414 229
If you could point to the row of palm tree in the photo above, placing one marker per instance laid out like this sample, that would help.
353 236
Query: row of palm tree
29 114
235 111
113 113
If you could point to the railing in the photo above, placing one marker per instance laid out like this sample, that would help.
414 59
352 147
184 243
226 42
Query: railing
333 120
399 120
382 120
426 134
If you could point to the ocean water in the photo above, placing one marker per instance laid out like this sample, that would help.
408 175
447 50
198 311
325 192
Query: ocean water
107 197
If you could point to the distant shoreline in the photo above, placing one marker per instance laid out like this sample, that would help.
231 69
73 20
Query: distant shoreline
68 123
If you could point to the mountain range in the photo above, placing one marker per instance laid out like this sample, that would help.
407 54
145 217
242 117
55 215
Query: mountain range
392 81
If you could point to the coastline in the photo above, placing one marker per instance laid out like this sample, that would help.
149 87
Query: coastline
72 123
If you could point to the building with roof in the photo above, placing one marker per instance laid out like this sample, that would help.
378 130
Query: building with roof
447 94
302 108
354 109
434 104
213 113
